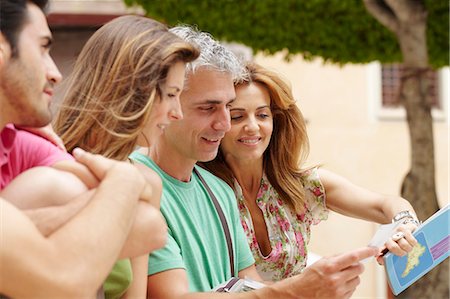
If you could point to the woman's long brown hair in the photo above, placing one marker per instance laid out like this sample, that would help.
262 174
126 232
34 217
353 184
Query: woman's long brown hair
114 84
289 144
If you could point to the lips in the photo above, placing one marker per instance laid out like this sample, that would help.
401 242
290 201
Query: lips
249 140
212 140
49 92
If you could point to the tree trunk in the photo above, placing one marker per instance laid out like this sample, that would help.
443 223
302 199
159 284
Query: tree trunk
407 19
419 184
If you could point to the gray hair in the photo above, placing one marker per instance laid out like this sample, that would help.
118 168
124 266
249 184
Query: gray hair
212 53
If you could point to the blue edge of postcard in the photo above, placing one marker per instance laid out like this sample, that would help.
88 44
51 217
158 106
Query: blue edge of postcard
433 247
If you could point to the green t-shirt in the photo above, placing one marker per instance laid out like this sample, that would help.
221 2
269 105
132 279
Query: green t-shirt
119 280
196 241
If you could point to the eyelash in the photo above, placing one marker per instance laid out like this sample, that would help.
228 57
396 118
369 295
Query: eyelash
206 108
263 116
46 46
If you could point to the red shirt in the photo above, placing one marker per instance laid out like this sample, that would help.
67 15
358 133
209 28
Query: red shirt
21 150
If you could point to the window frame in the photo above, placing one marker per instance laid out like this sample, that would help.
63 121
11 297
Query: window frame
375 93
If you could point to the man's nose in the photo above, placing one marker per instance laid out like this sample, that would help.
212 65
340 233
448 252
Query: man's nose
53 74
223 121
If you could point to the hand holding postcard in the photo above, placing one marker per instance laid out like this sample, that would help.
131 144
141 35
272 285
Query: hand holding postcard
433 247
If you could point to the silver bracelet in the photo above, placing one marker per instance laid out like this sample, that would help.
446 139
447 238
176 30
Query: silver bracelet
407 217
412 220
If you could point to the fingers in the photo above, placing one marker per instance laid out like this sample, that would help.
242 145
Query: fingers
333 277
100 166
97 164
348 259
402 241
351 273
56 140
380 260
351 286
397 236
335 281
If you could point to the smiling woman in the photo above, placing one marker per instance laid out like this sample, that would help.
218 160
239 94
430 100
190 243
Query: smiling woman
124 90
262 159
251 124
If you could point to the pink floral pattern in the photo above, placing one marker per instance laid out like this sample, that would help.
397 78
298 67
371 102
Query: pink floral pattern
288 232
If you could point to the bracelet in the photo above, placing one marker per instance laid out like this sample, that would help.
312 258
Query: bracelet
405 214
412 220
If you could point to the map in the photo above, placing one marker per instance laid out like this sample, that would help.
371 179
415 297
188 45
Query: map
413 258
408 267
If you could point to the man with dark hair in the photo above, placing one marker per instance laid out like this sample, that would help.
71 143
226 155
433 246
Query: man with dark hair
69 261
13 16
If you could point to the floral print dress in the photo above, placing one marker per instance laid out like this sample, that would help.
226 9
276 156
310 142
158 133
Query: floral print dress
288 232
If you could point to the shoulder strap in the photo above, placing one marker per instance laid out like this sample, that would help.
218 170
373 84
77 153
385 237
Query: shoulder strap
226 229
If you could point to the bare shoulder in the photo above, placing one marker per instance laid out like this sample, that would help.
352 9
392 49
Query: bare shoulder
42 184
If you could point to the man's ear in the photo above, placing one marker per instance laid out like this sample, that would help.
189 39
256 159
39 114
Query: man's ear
5 49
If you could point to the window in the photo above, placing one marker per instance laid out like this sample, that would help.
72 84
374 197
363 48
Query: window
384 89
391 75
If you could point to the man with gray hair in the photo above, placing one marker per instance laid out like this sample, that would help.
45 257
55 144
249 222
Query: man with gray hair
196 257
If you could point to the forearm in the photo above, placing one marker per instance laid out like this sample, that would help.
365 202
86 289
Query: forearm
107 217
393 205
49 219
247 295
273 292
27 256
148 232
138 287
351 200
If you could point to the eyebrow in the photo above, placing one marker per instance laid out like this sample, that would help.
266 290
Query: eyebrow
217 102
242 109
174 87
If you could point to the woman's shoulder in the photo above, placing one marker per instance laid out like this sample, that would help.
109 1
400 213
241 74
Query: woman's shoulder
310 178
314 194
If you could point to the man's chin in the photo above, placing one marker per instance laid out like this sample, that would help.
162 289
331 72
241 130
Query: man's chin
37 121
208 157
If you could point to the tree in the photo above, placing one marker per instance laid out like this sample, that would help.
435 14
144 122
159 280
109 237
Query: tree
414 32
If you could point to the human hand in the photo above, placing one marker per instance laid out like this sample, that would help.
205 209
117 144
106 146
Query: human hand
331 277
103 168
399 243
46 132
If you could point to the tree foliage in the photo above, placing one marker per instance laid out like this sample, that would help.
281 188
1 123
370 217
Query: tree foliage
339 31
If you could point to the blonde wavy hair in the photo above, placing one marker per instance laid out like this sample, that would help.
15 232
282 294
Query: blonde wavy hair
114 83
289 144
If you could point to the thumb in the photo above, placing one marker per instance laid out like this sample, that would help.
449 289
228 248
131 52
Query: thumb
82 156
97 164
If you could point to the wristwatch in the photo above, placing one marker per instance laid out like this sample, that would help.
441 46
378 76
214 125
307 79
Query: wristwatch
407 216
